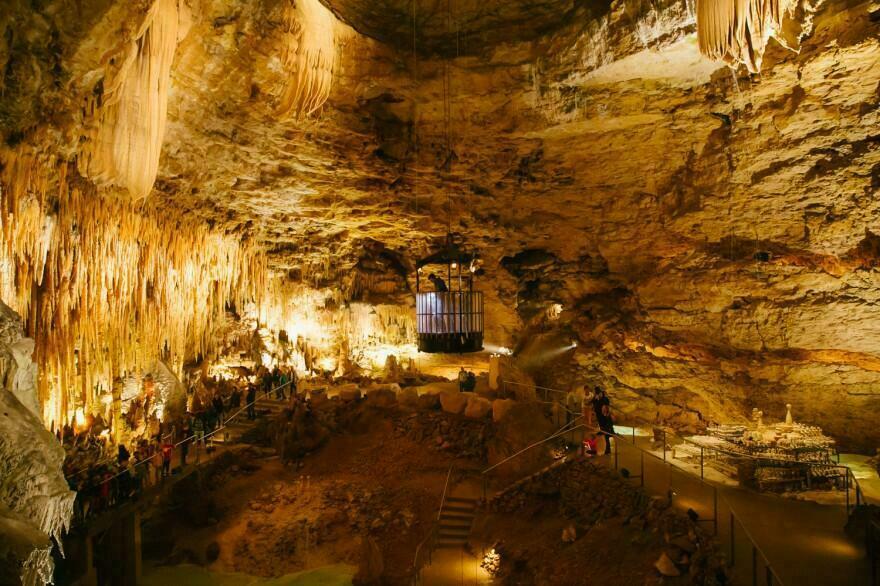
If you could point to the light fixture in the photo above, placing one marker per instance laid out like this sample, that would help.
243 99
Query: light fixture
454 265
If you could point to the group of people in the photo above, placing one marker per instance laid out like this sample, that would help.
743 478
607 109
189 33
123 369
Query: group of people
467 380
103 481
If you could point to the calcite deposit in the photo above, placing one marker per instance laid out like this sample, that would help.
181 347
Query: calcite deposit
35 502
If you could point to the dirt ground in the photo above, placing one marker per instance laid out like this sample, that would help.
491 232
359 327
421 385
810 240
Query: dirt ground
268 518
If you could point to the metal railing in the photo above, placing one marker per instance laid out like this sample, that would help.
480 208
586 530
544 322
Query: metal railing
694 495
449 312
425 548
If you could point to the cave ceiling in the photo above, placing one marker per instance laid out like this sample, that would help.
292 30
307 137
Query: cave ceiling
707 230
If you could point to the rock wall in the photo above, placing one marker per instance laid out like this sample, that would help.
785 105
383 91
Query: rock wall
708 235
35 502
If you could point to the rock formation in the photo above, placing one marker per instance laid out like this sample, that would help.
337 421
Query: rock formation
35 502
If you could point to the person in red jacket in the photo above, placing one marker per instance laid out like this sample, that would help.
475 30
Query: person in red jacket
167 450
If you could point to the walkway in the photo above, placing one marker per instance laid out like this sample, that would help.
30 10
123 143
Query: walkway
804 541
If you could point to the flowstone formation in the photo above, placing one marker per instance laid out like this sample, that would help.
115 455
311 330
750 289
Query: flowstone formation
35 502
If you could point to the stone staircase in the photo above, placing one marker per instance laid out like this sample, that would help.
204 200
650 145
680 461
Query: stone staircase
455 522
266 406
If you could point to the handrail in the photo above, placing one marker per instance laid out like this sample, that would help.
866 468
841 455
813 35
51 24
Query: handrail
561 431
445 488
432 533
221 427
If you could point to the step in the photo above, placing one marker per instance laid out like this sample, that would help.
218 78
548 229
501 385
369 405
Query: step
455 524
459 509
453 531
444 516
458 499
447 544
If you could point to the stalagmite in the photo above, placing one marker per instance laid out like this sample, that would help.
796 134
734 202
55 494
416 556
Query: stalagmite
737 31
125 134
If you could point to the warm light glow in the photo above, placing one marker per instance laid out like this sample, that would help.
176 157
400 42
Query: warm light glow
79 418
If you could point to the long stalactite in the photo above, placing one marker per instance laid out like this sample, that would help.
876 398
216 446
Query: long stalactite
105 287
737 31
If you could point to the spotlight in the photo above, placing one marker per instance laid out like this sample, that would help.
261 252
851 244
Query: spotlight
455 265
574 344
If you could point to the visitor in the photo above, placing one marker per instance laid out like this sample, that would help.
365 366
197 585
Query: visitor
279 390
470 382
167 450
439 304
218 408
123 455
602 409
462 378
235 399
251 398
439 284
184 446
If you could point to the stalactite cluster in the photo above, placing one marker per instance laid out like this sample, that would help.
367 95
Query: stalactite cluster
104 287
126 116
737 31
308 54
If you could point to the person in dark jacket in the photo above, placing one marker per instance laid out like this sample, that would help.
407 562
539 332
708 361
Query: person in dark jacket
602 409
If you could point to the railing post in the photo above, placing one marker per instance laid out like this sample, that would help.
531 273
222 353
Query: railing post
846 489
715 509
642 464
701 463
754 565
634 434
769 574
732 541
664 445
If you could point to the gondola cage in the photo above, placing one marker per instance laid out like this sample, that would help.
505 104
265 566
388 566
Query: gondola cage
449 321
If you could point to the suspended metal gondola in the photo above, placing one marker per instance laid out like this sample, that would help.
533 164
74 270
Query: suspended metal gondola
449 314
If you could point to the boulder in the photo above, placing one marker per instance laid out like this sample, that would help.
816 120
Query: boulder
500 408
453 401
349 393
408 398
429 402
666 566
381 397
477 407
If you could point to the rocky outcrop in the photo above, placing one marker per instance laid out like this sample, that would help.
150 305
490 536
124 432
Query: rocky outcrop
35 502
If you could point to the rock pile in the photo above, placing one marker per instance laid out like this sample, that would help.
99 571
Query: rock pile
588 493
440 431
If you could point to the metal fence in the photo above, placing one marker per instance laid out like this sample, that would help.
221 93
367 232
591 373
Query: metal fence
748 564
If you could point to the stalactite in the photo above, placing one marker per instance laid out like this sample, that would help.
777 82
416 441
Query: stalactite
103 287
127 120
737 31
308 56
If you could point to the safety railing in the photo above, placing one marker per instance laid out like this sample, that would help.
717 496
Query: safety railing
194 439
872 540
425 548
702 501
